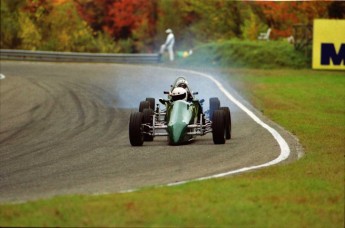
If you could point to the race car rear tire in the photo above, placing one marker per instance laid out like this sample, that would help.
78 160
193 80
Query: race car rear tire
227 122
218 127
143 105
214 105
151 101
136 136
148 119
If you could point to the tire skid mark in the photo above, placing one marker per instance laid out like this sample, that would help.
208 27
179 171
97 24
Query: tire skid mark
78 108
33 114
100 113
65 124
71 103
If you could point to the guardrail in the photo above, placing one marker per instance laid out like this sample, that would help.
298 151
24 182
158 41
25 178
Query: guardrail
49 56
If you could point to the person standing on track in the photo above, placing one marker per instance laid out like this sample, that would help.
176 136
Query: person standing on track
169 44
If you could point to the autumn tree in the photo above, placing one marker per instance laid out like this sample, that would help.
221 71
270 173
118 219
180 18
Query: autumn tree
132 23
139 25
94 12
281 16
336 10
131 19
49 25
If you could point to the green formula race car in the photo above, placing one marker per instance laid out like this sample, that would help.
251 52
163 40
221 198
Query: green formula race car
181 120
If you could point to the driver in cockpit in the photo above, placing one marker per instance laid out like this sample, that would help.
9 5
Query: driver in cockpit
181 91
184 84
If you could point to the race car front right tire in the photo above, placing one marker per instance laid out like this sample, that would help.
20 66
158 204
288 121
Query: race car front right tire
136 136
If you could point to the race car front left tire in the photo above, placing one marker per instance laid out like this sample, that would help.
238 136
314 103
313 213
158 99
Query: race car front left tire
143 105
136 136
152 102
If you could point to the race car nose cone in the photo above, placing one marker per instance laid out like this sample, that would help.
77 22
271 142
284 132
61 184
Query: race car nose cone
177 132
180 116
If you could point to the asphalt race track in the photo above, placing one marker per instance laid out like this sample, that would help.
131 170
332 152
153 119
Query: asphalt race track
64 130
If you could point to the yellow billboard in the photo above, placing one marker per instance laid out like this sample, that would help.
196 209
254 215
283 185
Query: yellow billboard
329 44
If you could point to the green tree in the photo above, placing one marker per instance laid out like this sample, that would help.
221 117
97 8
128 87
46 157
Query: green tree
62 29
29 33
67 31
10 27
173 14
252 26
216 20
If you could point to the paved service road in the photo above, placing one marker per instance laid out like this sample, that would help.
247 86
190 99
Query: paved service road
64 130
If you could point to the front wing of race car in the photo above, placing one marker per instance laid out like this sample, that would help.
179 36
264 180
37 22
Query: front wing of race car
160 127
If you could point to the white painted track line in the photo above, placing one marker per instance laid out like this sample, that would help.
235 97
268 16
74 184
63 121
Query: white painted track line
284 147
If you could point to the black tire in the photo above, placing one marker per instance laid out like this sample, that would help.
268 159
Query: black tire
152 102
136 136
148 119
143 105
227 122
214 105
218 127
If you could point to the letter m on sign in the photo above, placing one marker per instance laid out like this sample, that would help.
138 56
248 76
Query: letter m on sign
328 52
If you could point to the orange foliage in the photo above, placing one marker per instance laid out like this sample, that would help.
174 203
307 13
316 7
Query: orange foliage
119 18
281 16
126 16
58 2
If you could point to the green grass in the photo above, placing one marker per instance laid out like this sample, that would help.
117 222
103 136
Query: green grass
305 193
248 54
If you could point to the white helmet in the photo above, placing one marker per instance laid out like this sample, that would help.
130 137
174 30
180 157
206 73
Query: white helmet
182 83
179 93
